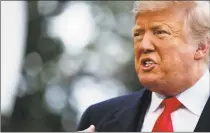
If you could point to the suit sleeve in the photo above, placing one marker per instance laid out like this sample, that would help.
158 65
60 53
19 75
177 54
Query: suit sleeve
84 122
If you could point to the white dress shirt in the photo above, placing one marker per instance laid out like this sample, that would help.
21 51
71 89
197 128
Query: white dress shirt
184 119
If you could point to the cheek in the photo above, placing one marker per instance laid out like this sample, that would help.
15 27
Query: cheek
136 50
136 62
187 58
137 56
185 53
177 58
169 55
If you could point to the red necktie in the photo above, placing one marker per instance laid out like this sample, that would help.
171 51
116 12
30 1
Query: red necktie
164 122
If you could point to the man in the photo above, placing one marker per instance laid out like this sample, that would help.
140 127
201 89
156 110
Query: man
171 42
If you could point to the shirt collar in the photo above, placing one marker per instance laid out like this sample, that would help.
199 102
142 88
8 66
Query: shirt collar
156 101
194 98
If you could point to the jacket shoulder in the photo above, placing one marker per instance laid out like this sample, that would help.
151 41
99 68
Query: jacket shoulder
117 102
95 113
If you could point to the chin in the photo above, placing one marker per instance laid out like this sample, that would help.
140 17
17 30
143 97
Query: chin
150 80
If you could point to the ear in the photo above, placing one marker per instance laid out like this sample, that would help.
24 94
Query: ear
202 51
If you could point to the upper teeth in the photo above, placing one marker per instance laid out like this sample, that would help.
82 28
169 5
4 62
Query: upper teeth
149 62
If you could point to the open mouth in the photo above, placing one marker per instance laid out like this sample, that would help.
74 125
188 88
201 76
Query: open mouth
147 64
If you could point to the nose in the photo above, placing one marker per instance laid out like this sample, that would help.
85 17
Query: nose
147 45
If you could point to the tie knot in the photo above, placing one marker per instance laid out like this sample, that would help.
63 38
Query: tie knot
171 104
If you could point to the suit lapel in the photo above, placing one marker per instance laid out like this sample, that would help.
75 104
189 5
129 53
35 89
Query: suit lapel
204 121
129 118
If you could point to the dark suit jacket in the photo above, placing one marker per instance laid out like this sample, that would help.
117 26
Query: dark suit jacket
126 114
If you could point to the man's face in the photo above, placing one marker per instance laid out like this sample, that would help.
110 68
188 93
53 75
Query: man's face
162 55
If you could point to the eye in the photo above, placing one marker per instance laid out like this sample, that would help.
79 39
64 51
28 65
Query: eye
136 34
157 32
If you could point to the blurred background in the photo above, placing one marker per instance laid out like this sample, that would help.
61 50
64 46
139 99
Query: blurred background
59 57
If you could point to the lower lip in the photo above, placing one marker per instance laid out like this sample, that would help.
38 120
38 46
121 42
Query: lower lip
148 68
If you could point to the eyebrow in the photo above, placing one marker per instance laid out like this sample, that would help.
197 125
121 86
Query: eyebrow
166 26
138 29
153 27
156 27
